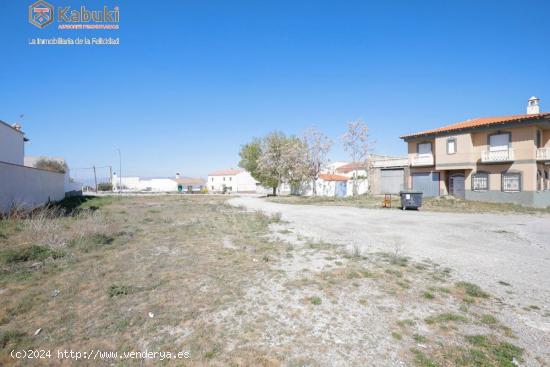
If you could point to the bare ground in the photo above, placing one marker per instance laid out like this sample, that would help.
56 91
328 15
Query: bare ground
508 254
245 289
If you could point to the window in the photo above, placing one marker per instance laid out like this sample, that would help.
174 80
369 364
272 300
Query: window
230 178
212 179
451 146
511 182
480 181
224 178
212 188
498 142
538 139
540 182
547 179
424 148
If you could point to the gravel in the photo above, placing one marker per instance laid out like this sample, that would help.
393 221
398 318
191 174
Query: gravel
508 254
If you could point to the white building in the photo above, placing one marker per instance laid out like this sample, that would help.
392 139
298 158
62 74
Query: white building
328 184
336 179
176 184
232 180
22 186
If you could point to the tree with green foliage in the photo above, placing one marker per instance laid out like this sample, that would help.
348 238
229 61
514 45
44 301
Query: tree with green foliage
275 159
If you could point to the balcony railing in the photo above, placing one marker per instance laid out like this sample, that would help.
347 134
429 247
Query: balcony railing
425 159
488 156
543 154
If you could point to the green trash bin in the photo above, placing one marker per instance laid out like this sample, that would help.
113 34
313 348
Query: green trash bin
411 199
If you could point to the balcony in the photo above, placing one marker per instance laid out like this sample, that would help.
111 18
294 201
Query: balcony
497 156
422 160
543 154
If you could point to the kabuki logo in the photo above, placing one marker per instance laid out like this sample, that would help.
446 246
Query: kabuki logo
41 14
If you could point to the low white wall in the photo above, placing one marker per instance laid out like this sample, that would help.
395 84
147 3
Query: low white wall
28 187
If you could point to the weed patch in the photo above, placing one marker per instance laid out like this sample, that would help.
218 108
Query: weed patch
30 253
445 318
10 337
472 290
315 300
120 290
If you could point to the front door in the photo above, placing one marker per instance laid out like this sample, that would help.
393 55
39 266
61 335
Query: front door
456 186
341 187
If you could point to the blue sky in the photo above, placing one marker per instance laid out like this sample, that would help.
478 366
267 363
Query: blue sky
193 80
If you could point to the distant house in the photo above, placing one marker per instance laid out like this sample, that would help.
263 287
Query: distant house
336 179
232 180
176 184
328 184
189 184
498 159
22 186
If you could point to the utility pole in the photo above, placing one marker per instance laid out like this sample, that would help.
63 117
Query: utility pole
111 176
119 170
95 180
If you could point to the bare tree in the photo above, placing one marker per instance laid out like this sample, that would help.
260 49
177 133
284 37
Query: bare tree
318 145
358 145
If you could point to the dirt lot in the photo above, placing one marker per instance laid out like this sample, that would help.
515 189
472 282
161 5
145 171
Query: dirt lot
509 254
231 287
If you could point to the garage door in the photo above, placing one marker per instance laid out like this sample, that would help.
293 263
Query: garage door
428 183
391 181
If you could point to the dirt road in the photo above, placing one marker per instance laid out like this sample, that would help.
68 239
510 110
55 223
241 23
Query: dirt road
487 249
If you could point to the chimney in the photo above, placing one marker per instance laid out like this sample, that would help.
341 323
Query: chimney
533 106
16 127
177 175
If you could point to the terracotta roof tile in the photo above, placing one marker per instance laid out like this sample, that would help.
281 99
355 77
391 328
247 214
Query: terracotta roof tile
227 172
190 181
346 168
332 177
473 123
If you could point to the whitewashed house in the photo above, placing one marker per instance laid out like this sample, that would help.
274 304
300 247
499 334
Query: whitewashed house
232 180
328 184
22 186
356 170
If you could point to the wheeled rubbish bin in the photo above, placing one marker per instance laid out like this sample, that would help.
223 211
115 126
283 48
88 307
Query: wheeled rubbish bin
411 199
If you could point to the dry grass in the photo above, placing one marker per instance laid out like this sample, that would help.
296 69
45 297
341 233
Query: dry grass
193 274
428 204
